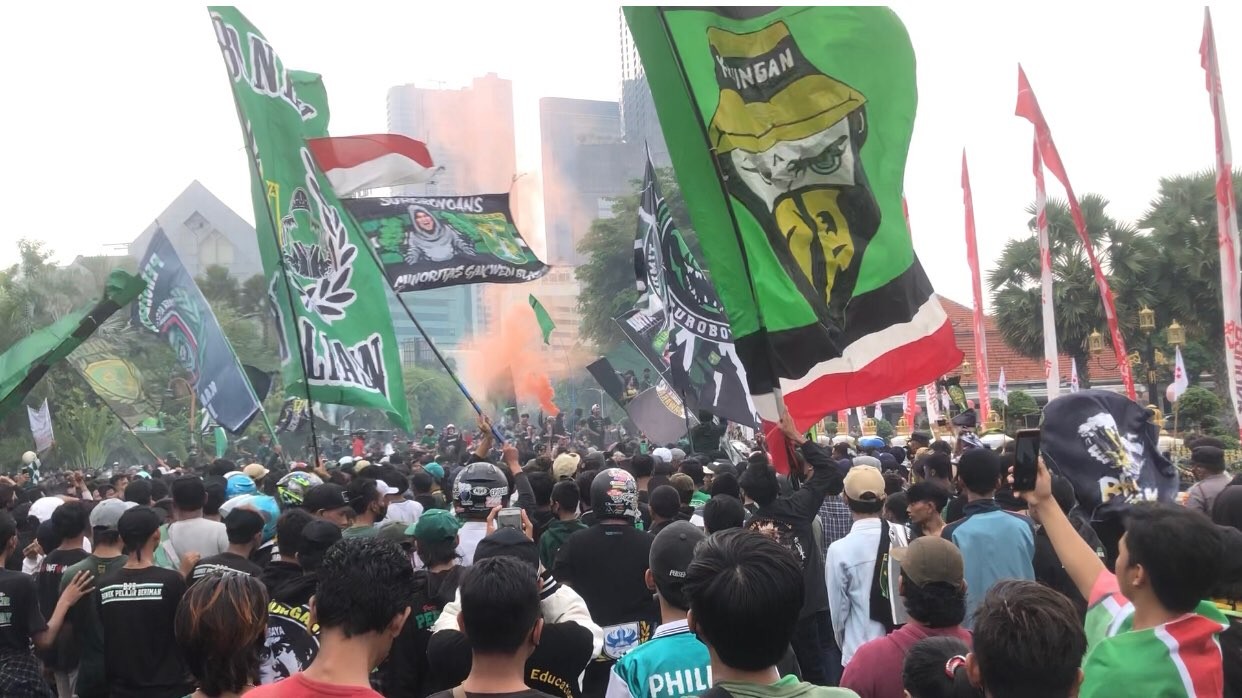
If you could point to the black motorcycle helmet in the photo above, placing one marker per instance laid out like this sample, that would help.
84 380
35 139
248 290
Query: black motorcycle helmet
614 495
479 487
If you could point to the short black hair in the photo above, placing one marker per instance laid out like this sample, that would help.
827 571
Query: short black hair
362 493
159 488
723 512
421 482
745 592
1028 640
117 477
924 673
841 450
895 505
693 468
221 467
139 492
565 493
8 528
939 465
70 520
928 492
215 487
726 483
642 465
863 506
934 604
363 584
242 525
1179 549
541 484
189 493
583 480
289 530
979 470
665 502
499 604
939 446
758 481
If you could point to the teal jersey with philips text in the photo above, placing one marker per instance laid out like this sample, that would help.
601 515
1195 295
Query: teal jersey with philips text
672 664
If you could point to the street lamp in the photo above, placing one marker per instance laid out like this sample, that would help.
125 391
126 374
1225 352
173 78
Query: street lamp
1095 343
1175 334
965 368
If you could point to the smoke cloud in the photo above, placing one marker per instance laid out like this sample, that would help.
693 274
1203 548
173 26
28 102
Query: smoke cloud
513 343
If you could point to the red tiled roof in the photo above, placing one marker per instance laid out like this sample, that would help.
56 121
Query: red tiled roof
1018 368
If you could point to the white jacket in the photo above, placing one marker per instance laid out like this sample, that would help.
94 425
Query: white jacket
848 570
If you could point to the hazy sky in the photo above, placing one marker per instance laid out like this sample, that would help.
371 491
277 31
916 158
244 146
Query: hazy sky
112 109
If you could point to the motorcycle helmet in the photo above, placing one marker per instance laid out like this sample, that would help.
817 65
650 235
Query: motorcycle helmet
264 504
871 442
236 484
614 494
480 487
293 487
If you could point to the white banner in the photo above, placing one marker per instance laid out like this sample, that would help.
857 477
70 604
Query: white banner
41 427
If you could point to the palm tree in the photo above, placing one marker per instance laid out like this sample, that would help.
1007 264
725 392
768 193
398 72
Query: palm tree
1124 253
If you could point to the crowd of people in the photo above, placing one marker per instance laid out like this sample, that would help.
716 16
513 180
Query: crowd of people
461 567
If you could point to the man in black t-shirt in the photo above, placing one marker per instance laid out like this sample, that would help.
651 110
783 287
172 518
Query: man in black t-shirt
607 565
245 532
137 607
69 522
596 424
500 616
21 623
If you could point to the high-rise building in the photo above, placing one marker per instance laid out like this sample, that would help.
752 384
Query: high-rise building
639 122
205 232
586 165
469 132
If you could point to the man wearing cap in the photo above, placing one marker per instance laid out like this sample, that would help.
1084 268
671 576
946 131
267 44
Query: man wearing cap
428 440
245 531
137 608
369 500
673 662
106 556
256 472
329 502
933 591
855 565
1208 465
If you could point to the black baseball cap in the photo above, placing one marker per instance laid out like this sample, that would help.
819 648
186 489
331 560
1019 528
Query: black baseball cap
137 525
325 497
510 542
672 551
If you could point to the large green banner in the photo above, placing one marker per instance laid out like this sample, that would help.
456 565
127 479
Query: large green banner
788 128
327 291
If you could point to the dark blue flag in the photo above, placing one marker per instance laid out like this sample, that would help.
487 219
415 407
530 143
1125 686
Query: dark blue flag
173 307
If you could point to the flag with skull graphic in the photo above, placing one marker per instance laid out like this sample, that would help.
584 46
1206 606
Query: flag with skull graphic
788 129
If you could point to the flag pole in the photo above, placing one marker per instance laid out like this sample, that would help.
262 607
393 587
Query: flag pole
500 439
131 431
256 175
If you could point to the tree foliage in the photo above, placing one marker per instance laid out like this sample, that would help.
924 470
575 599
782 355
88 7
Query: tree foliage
1126 255
1199 409
1020 406
606 279
434 398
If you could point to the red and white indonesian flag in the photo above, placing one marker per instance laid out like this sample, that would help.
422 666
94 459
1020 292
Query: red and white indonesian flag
1002 388
1073 375
358 163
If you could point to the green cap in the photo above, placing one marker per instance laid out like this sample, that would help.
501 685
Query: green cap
434 526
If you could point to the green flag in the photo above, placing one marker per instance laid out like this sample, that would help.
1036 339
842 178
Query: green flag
323 281
26 362
541 315
115 380
788 129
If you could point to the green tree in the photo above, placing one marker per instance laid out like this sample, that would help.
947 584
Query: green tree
433 398
219 287
252 297
1186 277
1199 409
884 429
607 276
1128 258
1021 404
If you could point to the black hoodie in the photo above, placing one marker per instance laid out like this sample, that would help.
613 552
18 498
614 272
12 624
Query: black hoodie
789 517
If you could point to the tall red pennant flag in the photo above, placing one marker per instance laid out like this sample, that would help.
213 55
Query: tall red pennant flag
976 285
1028 108
1052 361
1226 220
910 406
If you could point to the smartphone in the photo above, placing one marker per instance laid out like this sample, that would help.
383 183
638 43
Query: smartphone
1026 460
509 517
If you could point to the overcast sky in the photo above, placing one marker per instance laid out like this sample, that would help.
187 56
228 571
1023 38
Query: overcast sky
112 109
